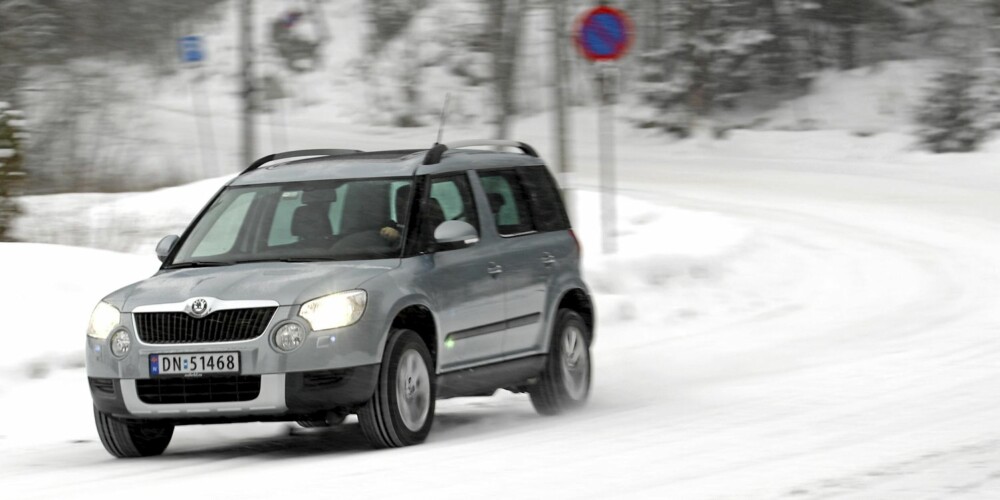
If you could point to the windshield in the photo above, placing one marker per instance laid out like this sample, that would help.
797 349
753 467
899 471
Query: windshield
355 219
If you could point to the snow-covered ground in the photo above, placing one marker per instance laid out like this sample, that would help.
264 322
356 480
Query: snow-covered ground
804 318
792 314
48 293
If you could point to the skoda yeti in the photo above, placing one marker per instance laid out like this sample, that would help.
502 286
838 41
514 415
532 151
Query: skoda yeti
323 283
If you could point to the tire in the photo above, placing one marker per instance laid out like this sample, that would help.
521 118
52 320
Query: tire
565 381
401 411
132 439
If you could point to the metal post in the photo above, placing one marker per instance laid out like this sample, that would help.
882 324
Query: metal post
203 117
559 95
606 143
248 134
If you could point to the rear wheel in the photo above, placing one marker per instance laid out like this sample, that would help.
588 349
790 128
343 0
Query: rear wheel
401 410
565 382
131 439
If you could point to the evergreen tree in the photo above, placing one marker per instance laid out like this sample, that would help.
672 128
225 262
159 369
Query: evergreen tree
11 173
507 20
28 36
951 114
710 53
837 27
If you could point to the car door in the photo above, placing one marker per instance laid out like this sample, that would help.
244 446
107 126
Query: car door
467 299
525 254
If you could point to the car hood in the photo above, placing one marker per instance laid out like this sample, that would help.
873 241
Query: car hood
285 282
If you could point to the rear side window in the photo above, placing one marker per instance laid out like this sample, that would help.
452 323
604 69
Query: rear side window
547 209
507 202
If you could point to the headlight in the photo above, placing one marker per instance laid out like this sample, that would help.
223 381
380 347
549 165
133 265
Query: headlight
335 310
120 343
289 337
104 319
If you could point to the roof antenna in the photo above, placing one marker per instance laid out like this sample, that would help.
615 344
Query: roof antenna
444 111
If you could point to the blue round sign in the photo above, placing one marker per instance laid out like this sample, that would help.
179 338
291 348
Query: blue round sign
603 34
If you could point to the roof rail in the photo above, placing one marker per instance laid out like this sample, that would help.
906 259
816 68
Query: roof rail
434 154
302 153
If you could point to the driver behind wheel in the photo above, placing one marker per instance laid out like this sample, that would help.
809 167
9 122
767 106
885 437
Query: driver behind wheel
392 230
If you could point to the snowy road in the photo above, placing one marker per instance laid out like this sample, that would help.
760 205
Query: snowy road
849 346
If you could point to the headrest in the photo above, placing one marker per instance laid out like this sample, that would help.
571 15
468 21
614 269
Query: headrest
311 222
496 202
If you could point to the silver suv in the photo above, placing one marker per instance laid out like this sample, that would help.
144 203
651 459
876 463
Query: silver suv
322 283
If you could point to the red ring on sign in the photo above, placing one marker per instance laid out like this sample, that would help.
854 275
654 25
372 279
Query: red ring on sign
619 48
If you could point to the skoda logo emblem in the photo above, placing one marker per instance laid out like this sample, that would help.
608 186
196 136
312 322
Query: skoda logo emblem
199 307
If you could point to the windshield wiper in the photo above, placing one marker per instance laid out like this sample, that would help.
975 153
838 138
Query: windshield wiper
294 259
183 265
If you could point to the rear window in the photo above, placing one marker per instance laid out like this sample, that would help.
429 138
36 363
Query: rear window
524 200
546 204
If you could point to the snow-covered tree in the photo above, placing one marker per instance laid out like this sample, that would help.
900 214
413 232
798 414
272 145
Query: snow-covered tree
989 92
28 36
11 162
707 58
507 19
950 120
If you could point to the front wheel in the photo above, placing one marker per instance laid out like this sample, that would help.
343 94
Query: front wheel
132 439
401 410
565 382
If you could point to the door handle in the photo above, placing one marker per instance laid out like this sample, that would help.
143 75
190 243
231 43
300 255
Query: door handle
494 269
548 259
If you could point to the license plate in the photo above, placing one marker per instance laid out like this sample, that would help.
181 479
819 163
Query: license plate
194 363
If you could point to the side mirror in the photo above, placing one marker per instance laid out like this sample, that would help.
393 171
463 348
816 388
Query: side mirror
165 245
455 231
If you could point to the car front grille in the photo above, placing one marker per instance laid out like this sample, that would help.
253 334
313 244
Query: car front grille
231 325
214 389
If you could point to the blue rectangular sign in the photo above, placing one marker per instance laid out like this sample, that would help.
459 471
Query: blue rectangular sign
191 49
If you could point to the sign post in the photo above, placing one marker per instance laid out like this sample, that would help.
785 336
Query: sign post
192 54
603 34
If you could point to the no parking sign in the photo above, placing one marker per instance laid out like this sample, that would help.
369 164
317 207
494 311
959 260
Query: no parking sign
603 33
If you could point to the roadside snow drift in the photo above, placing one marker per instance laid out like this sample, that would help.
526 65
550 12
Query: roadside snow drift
47 294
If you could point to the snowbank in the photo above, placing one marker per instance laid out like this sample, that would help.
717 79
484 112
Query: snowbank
868 100
47 294
655 243
126 222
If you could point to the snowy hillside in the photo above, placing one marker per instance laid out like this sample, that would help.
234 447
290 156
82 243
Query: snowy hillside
139 127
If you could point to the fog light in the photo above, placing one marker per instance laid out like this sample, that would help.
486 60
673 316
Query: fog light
120 343
289 337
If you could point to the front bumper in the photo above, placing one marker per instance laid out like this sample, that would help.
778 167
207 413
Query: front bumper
282 396
331 369
355 345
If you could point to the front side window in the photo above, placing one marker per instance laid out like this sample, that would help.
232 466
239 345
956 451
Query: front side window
454 197
450 198
319 220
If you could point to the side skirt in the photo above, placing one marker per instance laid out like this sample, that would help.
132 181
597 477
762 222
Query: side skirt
483 380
